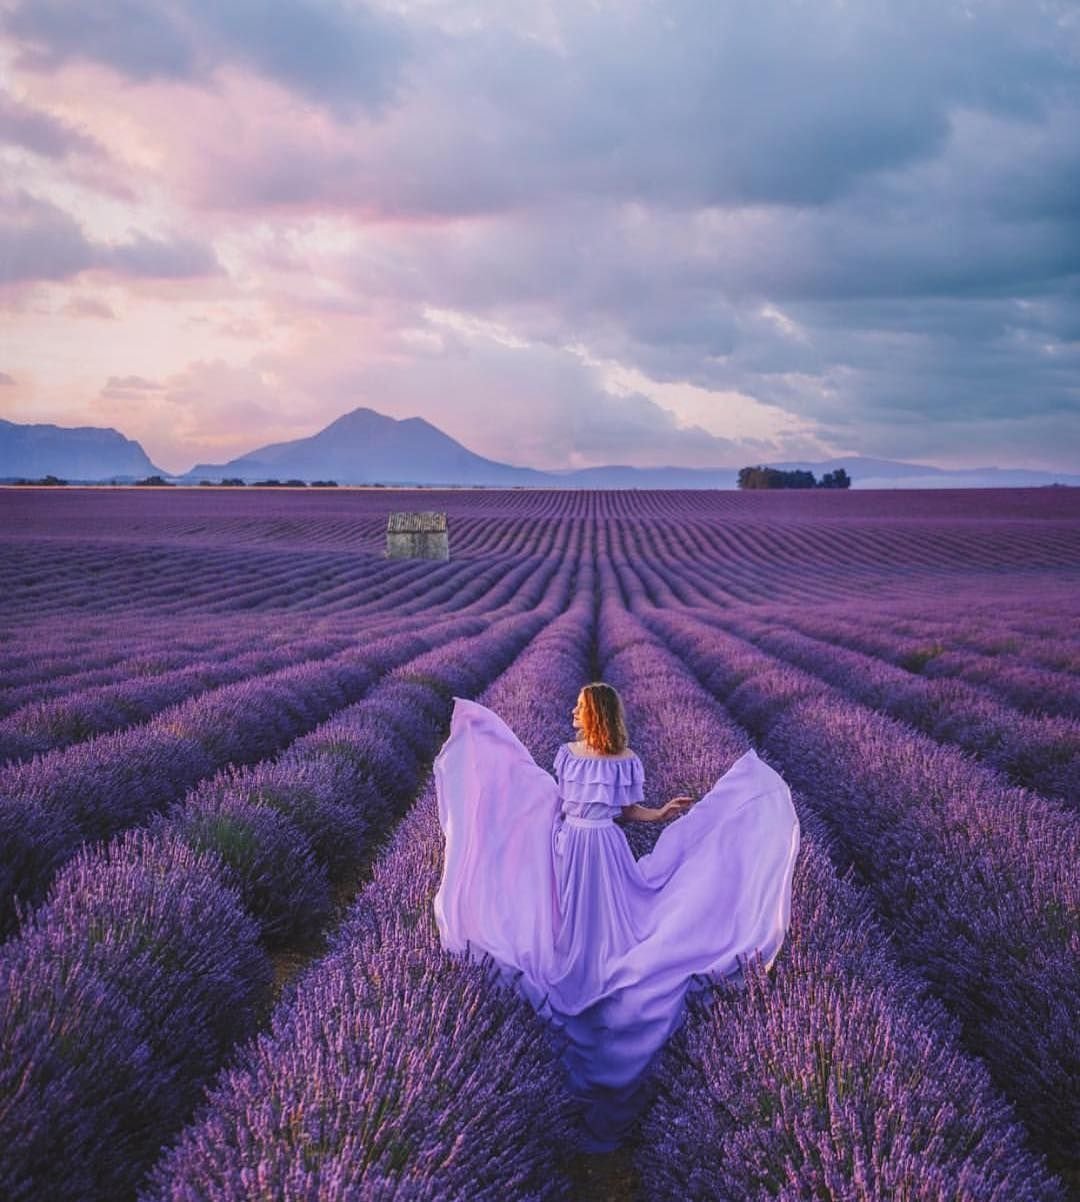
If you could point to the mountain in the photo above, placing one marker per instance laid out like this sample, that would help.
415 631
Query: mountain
79 453
365 447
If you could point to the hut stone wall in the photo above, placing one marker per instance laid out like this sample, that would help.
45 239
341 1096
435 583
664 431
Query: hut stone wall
417 536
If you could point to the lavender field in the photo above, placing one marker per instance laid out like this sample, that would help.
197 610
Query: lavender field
220 973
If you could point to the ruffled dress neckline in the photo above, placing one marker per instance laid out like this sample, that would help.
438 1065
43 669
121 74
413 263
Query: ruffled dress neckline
625 755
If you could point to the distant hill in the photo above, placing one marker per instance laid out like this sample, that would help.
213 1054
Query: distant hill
87 453
889 473
367 447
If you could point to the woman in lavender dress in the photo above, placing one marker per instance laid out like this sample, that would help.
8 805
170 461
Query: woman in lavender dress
538 876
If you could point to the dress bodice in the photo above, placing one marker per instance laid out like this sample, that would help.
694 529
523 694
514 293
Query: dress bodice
597 786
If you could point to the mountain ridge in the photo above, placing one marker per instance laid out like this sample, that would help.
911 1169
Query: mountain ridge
363 446
90 453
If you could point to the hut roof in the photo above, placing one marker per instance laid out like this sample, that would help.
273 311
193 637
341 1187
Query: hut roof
416 523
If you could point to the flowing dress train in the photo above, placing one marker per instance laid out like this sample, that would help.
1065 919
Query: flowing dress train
537 875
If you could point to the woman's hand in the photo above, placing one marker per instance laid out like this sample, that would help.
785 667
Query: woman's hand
672 809
676 807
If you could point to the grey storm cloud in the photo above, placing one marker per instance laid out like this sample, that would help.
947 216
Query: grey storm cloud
39 241
695 103
340 55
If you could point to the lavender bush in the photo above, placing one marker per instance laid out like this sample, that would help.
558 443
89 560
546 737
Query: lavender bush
833 1075
124 989
46 725
1042 753
111 782
228 837
978 880
476 1058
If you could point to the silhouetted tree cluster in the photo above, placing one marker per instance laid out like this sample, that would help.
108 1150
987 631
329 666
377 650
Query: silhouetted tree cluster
153 482
48 481
774 477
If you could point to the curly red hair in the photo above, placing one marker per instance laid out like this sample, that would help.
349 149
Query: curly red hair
603 723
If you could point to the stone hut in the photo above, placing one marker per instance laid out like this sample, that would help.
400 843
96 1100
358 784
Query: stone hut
417 536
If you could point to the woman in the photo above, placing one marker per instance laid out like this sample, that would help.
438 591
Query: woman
538 876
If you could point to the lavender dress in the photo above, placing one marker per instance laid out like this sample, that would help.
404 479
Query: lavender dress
538 876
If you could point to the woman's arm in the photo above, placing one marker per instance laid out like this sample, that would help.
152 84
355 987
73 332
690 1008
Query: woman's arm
675 807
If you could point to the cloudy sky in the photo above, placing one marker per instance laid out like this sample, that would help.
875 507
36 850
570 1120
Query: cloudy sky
568 232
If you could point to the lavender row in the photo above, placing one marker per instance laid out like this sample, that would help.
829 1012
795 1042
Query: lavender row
131 982
179 581
111 577
1030 683
62 646
833 1075
160 648
78 715
38 674
1040 635
51 805
454 588
1040 753
745 562
976 879
444 1084
1028 687
348 518
248 866
99 580
48 658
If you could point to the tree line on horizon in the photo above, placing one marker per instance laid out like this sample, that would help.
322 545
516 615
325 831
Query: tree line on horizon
774 477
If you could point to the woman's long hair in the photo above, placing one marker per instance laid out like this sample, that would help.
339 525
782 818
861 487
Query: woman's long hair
603 724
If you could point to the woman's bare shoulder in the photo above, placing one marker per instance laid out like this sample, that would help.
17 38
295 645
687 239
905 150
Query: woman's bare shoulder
586 752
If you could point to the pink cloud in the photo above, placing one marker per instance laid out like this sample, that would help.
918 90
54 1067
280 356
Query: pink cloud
89 306
129 388
43 133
